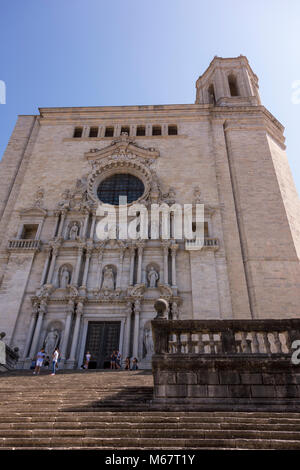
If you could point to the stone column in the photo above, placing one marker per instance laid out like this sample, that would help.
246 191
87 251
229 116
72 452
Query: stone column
99 272
44 274
140 258
127 330
86 267
62 221
173 254
57 214
70 311
77 267
52 265
120 270
79 312
85 225
31 330
92 231
137 311
41 313
166 270
132 255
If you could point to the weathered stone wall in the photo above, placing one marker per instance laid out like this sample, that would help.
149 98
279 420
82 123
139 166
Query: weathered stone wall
223 383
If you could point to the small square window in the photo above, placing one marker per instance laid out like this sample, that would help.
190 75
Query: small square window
156 130
140 130
109 132
172 130
78 132
93 132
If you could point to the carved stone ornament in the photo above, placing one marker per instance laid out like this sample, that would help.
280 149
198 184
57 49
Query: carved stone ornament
136 291
122 156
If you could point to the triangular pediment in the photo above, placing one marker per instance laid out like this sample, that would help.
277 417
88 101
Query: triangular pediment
33 211
124 145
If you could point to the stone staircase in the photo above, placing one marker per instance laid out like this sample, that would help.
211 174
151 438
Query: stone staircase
113 410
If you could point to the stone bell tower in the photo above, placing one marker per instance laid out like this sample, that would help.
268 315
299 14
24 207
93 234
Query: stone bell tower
228 82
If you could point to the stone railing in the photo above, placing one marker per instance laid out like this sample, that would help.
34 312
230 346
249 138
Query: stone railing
208 243
16 244
225 336
226 364
8 357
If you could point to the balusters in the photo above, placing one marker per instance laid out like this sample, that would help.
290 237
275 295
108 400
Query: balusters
190 348
289 340
244 344
266 342
178 343
277 342
211 343
200 344
247 342
255 342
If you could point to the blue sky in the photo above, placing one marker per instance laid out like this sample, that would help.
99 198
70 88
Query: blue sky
128 52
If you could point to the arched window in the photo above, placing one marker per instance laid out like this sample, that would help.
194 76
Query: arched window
120 184
233 85
211 94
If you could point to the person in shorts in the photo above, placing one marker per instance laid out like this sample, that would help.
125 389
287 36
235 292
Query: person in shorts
87 360
55 357
118 359
39 361
113 359
127 363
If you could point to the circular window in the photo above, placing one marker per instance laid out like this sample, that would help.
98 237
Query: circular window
121 184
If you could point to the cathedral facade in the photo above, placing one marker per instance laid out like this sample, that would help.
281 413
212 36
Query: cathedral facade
62 285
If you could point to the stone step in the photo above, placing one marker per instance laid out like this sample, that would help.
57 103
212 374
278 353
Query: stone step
4 427
146 443
138 418
152 434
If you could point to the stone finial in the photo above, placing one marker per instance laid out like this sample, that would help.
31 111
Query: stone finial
161 306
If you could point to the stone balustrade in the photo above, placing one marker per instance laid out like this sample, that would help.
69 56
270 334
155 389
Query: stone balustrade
20 244
221 364
8 357
225 336
208 243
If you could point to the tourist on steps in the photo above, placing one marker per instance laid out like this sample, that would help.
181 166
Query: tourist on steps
127 363
55 357
113 359
135 364
39 361
118 359
87 360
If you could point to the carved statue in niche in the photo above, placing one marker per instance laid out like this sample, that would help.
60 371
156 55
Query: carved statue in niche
152 277
175 311
39 195
74 231
51 342
108 278
64 278
148 341
64 203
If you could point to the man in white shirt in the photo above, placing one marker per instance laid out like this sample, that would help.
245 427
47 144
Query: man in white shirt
55 357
